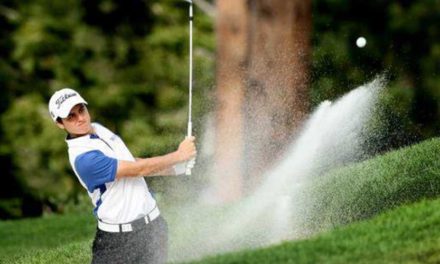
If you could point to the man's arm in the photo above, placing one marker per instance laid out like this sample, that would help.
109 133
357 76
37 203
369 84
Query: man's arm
154 166
166 172
170 171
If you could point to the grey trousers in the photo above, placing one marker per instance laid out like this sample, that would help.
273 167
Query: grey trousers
146 244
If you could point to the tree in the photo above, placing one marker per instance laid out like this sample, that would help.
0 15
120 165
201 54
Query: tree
262 83
231 33
276 94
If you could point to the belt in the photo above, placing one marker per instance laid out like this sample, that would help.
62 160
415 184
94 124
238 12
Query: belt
128 227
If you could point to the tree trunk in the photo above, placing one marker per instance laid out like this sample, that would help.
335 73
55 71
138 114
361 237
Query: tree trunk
276 94
231 54
262 81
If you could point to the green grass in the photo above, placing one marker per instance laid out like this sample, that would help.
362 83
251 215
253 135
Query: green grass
408 234
365 189
343 196
51 239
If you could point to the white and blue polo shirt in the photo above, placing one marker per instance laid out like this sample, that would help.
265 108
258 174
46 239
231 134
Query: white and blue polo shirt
94 159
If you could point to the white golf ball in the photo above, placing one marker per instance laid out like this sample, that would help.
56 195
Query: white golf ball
361 42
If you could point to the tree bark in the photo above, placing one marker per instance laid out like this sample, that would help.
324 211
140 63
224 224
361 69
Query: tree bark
276 92
231 54
262 82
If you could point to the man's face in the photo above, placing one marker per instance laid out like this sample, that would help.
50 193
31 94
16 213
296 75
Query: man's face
77 123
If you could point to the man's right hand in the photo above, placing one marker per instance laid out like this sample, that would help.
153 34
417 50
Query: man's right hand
187 149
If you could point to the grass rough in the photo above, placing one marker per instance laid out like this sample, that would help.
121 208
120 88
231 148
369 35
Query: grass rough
49 239
408 234
365 189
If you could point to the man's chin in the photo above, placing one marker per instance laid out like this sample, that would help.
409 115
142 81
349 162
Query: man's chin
86 129
84 132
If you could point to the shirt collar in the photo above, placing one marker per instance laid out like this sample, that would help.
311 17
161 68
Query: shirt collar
80 141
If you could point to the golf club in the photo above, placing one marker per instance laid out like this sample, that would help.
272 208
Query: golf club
189 131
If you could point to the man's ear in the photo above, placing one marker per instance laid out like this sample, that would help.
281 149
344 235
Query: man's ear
60 124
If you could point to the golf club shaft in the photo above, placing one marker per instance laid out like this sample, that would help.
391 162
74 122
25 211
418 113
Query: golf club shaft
189 132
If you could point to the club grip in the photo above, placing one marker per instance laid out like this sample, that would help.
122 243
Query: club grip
188 171
188 168
189 134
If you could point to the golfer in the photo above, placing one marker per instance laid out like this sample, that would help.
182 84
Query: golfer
130 228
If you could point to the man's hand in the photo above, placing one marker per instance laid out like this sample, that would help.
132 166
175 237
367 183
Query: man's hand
187 149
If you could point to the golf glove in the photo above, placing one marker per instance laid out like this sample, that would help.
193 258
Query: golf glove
180 168
190 164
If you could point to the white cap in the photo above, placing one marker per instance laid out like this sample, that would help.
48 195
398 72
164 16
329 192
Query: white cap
63 101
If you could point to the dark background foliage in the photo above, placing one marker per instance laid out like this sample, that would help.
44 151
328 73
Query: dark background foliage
129 60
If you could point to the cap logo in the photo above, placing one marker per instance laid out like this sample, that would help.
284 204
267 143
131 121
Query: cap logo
63 98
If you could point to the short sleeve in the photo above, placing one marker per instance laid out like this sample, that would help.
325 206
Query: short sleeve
95 169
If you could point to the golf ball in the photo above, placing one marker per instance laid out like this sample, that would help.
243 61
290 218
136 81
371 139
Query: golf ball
361 42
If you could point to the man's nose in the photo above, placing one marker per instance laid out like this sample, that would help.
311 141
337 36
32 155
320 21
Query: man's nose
81 117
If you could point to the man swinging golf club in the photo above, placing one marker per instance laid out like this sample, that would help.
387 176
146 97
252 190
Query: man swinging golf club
130 227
